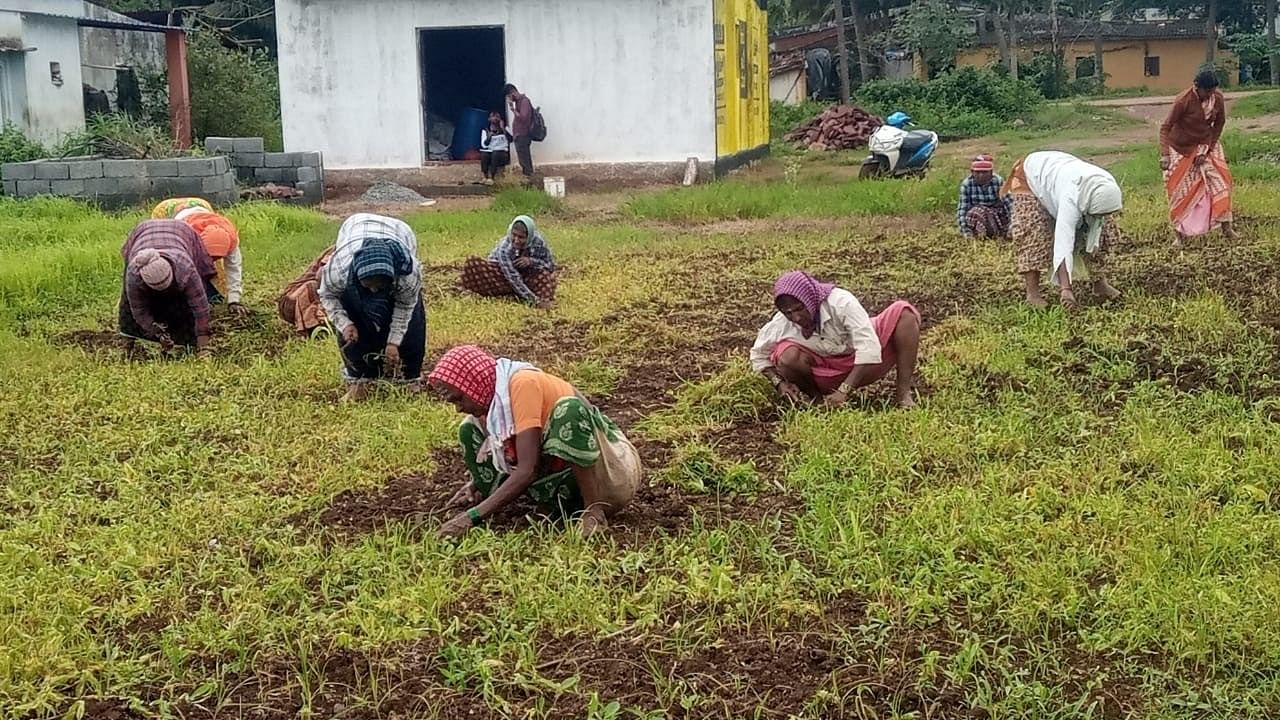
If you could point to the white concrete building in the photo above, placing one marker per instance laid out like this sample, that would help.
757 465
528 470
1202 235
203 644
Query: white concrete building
51 49
40 81
619 81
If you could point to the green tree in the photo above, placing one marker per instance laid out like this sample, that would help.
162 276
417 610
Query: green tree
935 30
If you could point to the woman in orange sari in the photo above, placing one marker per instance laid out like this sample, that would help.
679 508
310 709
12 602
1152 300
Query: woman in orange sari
1196 176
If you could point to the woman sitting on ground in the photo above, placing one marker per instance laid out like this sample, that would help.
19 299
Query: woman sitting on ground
527 432
821 344
1062 206
1196 176
495 148
164 299
521 265
371 290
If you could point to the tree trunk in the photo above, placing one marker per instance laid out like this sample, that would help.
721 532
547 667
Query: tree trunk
1055 48
1211 32
1273 53
1013 42
1097 57
842 53
1002 40
867 69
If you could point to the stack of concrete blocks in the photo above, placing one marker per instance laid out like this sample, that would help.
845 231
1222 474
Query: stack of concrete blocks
115 184
302 171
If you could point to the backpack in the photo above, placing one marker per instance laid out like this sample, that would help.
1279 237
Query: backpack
538 128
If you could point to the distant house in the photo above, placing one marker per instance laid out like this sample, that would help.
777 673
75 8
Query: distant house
1162 55
787 81
621 83
55 53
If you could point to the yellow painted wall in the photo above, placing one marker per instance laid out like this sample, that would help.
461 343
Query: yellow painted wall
1123 61
742 76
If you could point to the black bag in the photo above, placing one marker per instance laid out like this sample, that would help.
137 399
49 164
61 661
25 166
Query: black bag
538 128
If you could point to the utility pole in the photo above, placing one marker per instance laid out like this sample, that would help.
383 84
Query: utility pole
842 52
1057 51
1211 33
1273 56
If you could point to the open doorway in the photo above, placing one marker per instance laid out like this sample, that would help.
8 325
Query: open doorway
463 71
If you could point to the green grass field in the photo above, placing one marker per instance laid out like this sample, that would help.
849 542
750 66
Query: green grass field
1082 519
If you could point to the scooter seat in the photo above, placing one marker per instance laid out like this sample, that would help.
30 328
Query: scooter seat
915 140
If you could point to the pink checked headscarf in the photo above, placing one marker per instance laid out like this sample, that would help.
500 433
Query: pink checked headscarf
469 370
153 268
803 287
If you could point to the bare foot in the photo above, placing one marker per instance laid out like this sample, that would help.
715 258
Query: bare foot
906 402
1230 233
1103 289
1037 301
1178 239
1068 299
592 523
356 392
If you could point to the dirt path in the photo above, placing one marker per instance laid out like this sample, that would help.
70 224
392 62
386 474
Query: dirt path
1133 102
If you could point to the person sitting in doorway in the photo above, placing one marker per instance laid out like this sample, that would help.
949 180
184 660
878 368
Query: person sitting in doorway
522 128
495 148
982 213
530 433
371 290
521 265
821 344
163 298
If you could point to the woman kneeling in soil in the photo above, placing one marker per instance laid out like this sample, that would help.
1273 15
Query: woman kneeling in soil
527 432
1062 206
163 299
371 290
521 265
821 344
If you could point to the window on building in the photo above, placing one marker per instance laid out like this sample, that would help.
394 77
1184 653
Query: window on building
1085 67
1151 66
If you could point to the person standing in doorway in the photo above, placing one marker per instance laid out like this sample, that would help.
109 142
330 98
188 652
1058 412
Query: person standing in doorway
522 127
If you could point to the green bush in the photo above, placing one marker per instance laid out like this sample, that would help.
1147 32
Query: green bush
234 93
17 147
119 136
784 118
962 103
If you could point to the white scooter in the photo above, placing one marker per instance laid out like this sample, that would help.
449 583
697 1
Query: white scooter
897 152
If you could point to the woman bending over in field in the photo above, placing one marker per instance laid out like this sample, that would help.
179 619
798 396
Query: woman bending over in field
371 289
521 265
527 432
221 239
821 344
163 299
1062 207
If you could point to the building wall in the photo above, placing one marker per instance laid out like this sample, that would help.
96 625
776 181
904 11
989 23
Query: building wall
741 36
1124 62
788 87
101 49
46 110
619 81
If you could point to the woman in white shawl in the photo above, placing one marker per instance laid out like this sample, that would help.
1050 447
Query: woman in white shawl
1062 207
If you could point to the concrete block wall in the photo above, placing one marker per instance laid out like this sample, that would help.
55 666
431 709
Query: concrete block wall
115 184
254 166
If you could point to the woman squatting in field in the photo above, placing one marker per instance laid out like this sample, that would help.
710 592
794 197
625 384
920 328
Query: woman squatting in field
371 290
821 344
163 298
527 432
1062 207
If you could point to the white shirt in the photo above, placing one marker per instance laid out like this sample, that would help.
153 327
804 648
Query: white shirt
844 329
493 142
1055 179
337 274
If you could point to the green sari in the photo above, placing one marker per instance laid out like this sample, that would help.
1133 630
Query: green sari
569 440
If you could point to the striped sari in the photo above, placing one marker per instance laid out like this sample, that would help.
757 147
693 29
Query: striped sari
1199 197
